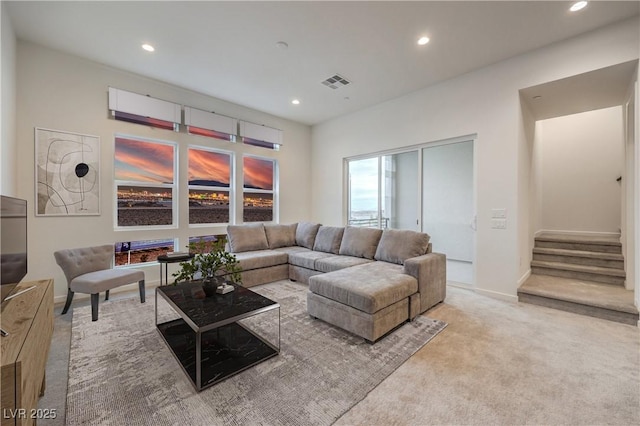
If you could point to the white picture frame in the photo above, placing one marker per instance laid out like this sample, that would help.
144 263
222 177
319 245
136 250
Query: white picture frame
67 173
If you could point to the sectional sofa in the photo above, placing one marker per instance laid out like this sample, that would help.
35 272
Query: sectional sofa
366 281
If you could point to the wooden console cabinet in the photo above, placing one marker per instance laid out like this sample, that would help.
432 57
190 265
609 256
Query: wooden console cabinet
28 318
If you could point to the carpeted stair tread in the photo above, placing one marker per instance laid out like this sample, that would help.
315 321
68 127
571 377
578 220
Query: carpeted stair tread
580 292
580 242
579 268
580 239
578 253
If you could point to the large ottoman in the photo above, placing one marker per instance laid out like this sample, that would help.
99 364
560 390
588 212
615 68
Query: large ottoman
368 300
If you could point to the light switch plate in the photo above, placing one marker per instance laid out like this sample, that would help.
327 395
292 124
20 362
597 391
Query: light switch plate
499 213
499 223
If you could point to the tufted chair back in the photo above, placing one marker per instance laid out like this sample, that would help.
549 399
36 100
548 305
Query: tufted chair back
79 261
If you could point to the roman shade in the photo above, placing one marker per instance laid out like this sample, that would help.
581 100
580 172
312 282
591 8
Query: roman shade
259 135
135 108
210 124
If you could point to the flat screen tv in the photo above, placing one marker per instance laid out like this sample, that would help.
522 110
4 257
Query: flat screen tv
13 242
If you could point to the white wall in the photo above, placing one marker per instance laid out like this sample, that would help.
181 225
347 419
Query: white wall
581 156
629 188
635 209
486 103
63 92
528 195
8 107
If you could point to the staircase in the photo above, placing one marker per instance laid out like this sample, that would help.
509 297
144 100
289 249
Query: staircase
580 274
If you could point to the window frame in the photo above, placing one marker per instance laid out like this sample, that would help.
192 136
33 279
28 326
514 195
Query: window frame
274 191
141 264
230 190
173 186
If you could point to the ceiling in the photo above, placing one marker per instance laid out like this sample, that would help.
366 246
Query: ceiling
228 49
602 88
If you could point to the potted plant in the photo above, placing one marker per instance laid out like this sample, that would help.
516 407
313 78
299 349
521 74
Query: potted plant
212 264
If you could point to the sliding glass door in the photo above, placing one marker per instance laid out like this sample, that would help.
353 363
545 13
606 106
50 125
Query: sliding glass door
448 212
428 189
383 191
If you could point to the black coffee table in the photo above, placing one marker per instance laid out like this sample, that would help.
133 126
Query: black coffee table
210 340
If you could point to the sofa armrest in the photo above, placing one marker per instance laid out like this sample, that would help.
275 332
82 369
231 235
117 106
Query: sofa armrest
431 272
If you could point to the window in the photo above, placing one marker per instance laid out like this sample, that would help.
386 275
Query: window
208 240
383 191
363 192
145 182
133 252
259 189
209 184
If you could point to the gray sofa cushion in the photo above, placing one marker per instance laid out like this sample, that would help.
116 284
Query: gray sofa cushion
396 246
260 259
335 263
306 234
360 242
247 237
292 249
368 288
281 235
307 259
328 239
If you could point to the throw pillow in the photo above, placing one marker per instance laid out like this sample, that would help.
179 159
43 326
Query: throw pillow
306 234
247 237
396 245
360 242
328 239
281 235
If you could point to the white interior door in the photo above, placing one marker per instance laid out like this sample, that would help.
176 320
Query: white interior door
447 206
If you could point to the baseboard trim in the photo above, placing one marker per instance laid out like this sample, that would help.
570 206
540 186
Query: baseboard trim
497 295
585 233
458 284
524 277
60 300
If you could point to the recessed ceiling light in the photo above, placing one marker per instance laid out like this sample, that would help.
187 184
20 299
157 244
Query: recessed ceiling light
578 6
148 47
423 40
295 102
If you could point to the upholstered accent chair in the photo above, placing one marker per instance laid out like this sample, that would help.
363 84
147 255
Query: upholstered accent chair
89 270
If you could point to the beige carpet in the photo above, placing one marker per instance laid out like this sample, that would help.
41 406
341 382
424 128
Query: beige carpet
496 363
512 364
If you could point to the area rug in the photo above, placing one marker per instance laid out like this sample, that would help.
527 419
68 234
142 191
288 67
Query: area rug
121 372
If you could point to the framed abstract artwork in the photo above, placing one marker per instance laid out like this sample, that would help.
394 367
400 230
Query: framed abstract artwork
67 173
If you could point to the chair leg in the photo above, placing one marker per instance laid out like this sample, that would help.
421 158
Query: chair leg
106 296
141 285
68 302
95 298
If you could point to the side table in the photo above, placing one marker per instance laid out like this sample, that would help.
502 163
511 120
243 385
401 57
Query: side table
166 259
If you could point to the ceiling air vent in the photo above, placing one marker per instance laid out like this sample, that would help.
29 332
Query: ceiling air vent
336 81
